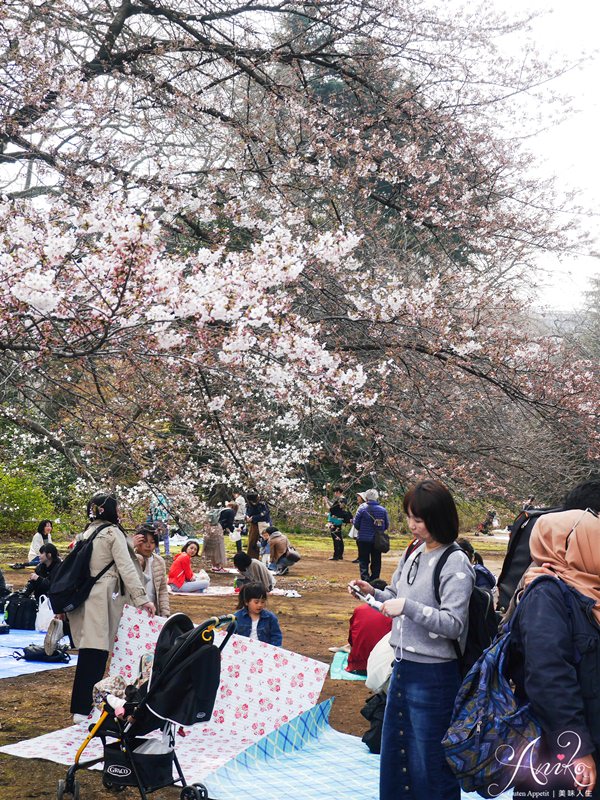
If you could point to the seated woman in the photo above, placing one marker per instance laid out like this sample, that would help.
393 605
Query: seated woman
40 581
43 535
181 576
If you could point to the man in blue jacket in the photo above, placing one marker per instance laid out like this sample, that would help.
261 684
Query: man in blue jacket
371 516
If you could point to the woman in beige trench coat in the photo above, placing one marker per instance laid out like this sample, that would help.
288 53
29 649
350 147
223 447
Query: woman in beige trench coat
94 624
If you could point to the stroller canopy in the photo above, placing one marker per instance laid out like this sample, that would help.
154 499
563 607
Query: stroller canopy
185 674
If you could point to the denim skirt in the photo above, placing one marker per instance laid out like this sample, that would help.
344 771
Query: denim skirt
417 715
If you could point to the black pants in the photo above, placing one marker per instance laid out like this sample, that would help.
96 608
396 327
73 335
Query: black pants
338 541
368 556
90 669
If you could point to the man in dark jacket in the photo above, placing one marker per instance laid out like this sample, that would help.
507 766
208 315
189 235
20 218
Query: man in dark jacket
371 516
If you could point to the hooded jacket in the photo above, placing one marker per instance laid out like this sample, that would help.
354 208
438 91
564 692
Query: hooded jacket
555 661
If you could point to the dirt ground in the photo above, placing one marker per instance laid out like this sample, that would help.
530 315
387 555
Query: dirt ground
33 705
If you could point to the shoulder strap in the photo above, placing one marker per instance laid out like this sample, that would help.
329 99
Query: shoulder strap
98 529
91 538
436 585
438 569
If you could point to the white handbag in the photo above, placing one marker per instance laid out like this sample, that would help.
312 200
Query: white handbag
353 533
44 614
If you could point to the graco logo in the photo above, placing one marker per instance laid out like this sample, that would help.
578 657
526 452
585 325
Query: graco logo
118 771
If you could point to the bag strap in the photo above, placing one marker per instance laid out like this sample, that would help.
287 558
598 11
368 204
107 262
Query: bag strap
436 585
439 567
91 539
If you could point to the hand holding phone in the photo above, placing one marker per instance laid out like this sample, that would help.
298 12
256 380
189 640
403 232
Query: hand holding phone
366 598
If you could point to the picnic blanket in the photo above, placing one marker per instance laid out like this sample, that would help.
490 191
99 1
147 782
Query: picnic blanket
262 688
16 640
226 591
338 672
317 762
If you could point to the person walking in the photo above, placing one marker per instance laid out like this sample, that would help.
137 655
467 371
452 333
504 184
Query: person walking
371 516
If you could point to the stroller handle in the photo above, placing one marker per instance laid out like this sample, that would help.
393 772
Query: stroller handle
218 622
226 619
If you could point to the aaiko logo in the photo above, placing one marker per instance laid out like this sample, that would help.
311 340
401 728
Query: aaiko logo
541 773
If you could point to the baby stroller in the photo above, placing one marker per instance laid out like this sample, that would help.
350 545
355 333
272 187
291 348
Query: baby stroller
181 690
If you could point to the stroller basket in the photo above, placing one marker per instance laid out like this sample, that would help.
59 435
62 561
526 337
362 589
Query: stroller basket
153 769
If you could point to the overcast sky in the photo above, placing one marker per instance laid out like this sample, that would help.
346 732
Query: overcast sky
570 150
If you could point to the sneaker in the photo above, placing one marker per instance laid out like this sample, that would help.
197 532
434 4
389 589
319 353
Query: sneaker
79 718
356 561
283 571
343 649
53 636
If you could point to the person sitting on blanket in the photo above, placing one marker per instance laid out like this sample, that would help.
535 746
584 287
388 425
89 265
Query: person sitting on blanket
153 566
252 571
181 576
42 536
253 619
367 627
40 581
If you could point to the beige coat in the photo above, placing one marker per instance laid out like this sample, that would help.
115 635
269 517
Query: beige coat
159 580
278 546
94 624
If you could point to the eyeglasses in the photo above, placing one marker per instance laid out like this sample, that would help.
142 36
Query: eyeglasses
414 568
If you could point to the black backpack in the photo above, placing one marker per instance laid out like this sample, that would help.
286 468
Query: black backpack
483 620
518 557
21 611
373 711
72 582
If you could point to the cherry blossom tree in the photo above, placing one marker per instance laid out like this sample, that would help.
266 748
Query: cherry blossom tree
246 240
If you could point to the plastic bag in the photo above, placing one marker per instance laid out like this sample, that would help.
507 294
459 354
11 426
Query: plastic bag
202 575
235 535
353 533
44 614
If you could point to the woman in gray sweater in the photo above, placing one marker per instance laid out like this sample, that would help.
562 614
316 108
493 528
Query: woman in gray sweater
426 674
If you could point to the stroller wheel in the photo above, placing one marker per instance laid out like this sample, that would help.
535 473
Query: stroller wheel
196 792
62 790
112 787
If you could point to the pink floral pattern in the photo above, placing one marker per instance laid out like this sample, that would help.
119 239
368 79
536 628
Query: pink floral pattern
262 687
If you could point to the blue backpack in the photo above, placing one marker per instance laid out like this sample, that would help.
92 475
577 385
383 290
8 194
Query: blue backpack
489 730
